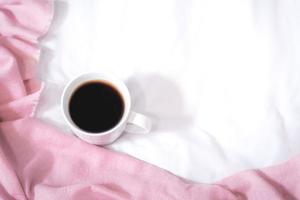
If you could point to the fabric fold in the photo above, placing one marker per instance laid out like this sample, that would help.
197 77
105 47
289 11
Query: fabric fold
22 23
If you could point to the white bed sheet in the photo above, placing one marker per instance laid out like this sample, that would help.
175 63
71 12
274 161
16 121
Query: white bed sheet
219 78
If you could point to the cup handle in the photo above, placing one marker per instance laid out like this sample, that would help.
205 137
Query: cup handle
138 123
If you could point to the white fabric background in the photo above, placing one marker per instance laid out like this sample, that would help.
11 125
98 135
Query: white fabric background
219 78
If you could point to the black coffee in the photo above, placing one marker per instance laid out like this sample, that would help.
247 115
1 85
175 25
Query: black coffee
96 107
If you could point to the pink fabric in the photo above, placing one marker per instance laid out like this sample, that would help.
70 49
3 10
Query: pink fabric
37 161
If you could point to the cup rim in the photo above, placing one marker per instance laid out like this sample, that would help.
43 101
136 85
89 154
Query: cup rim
115 82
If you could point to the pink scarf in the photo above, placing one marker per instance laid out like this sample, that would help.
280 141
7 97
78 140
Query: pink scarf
38 161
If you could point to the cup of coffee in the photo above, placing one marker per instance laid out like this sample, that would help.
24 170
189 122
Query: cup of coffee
97 107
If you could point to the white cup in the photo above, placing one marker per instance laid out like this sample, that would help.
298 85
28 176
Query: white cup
130 122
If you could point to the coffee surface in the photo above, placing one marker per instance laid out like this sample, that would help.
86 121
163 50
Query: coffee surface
96 107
